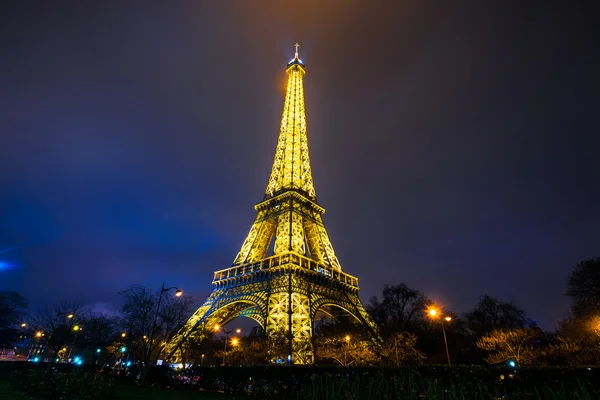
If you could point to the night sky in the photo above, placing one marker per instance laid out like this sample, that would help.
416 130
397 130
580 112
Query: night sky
455 147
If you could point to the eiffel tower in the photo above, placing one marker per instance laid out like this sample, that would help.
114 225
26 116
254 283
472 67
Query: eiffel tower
284 290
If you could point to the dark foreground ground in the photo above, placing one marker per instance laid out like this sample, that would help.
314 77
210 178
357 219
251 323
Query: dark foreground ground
137 393
464 382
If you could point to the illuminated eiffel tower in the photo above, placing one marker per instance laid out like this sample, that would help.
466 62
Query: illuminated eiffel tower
284 290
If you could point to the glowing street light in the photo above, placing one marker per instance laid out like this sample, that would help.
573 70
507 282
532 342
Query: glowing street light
123 334
347 339
76 328
23 325
234 342
218 328
70 316
433 313
163 289
39 334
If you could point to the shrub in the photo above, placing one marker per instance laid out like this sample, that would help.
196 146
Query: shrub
51 384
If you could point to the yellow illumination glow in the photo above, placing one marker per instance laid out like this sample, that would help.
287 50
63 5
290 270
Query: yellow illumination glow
284 290
433 312
291 167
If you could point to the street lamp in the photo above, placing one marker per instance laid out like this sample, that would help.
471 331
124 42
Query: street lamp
163 289
433 313
227 332
347 339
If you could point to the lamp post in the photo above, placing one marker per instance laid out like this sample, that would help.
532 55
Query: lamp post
178 293
226 332
434 314
347 339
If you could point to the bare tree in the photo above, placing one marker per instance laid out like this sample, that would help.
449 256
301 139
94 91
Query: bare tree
401 349
345 351
490 314
401 309
583 286
150 326
59 326
581 338
13 308
514 344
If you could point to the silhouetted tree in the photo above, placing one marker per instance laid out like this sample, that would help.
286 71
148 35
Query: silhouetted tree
149 328
58 326
583 286
491 313
401 309
99 329
582 338
13 308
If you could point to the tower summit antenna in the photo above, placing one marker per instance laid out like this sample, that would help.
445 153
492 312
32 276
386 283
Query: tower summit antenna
296 55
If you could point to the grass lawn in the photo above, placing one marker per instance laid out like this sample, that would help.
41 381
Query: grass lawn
137 393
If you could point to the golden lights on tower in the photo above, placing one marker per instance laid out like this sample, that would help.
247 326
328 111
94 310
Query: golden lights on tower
283 291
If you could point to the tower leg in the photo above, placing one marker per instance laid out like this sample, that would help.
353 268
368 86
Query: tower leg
288 316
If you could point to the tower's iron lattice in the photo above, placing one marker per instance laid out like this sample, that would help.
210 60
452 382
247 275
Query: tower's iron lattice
284 291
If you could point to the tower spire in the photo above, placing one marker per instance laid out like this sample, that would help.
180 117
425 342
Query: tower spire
291 166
